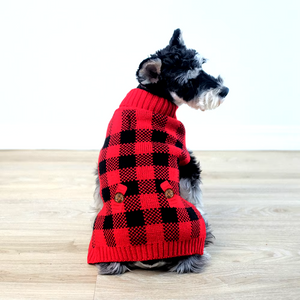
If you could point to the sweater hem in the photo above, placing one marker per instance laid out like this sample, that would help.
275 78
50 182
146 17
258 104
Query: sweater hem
146 252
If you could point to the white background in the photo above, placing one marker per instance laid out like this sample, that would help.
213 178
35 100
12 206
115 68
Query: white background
66 65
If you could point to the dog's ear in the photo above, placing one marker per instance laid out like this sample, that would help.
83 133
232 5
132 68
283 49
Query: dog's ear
177 39
149 71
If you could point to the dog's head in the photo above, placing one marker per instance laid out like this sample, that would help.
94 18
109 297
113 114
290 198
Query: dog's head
176 73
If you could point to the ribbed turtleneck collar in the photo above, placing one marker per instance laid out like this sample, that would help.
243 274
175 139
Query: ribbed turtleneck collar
139 98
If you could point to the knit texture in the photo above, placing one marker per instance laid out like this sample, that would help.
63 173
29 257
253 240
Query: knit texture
140 159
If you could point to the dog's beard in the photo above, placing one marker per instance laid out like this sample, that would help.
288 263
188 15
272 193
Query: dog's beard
207 100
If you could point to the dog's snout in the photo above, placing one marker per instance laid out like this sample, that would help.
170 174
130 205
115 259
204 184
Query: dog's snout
224 91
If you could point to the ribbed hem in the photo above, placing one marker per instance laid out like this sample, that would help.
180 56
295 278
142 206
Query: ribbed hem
139 98
146 252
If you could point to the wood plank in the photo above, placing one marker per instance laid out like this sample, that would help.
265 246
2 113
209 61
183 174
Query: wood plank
44 224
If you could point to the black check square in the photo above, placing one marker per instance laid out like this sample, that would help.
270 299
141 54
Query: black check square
160 159
128 136
193 216
106 194
169 215
159 136
132 188
135 218
179 144
106 142
102 167
158 182
108 222
127 161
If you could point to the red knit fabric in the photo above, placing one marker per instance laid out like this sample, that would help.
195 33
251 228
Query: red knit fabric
140 158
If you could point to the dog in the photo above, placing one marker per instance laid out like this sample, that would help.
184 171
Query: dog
148 198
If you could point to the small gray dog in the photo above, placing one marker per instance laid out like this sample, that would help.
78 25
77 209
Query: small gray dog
135 189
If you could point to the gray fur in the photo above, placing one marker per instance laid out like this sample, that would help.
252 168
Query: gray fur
113 268
186 76
191 192
209 236
192 264
98 202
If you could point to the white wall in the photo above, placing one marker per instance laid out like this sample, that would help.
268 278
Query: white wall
66 65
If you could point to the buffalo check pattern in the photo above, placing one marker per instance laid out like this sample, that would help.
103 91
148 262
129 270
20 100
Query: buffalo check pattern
141 155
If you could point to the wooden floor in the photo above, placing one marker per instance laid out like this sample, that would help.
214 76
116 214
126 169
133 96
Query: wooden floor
252 200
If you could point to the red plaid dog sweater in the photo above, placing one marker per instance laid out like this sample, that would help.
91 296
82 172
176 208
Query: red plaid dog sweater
144 217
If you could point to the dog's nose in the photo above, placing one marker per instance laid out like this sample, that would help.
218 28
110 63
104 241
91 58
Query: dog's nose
224 91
